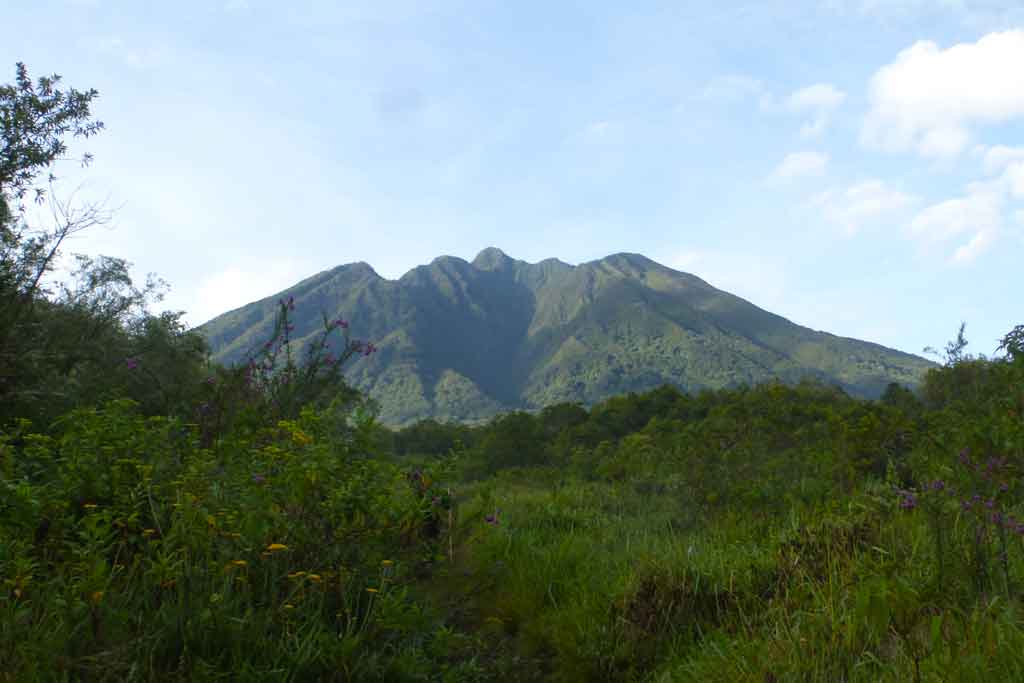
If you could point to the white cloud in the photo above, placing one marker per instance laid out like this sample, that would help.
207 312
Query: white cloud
943 142
930 99
1017 227
860 204
997 158
976 220
977 14
799 164
970 251
733 88
750 276
233 287
883 6
978 216
1012 180
819 100
136 57
818 96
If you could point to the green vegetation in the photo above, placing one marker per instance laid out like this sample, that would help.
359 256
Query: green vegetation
166 518
534 335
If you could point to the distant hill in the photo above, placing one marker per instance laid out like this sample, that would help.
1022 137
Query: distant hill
464 341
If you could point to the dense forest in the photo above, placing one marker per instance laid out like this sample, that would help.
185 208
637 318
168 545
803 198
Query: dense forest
166 517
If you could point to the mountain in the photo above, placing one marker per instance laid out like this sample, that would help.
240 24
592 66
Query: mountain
463 341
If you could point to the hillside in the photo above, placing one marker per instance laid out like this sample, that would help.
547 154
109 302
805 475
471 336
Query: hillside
463 341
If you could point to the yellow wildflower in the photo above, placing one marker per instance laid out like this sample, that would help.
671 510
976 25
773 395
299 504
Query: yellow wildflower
90 506
97 596
296 575
372 590
274 547
288 605
315 578
148 532
387 563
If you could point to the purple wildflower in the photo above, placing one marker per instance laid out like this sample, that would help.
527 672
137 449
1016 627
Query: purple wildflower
132 363
492 519
343 324
258 478
908 501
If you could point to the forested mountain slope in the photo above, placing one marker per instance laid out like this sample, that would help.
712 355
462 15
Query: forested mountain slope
461 340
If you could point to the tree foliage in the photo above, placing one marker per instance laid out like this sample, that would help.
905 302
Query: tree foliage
82 340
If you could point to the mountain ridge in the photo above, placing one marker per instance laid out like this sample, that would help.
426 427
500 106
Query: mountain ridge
464 339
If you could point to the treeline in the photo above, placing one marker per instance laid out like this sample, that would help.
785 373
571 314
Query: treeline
873 433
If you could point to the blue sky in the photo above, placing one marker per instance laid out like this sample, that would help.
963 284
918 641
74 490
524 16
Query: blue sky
854 165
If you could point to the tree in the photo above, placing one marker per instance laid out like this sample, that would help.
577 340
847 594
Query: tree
898 396
954 351
93 337
35 120
1013 344
512 440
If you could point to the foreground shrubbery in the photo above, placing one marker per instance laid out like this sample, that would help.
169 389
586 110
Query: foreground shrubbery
775 533
128 550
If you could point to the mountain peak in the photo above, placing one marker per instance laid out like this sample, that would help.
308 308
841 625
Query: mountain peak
361 267
491 258
636 260
446 260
